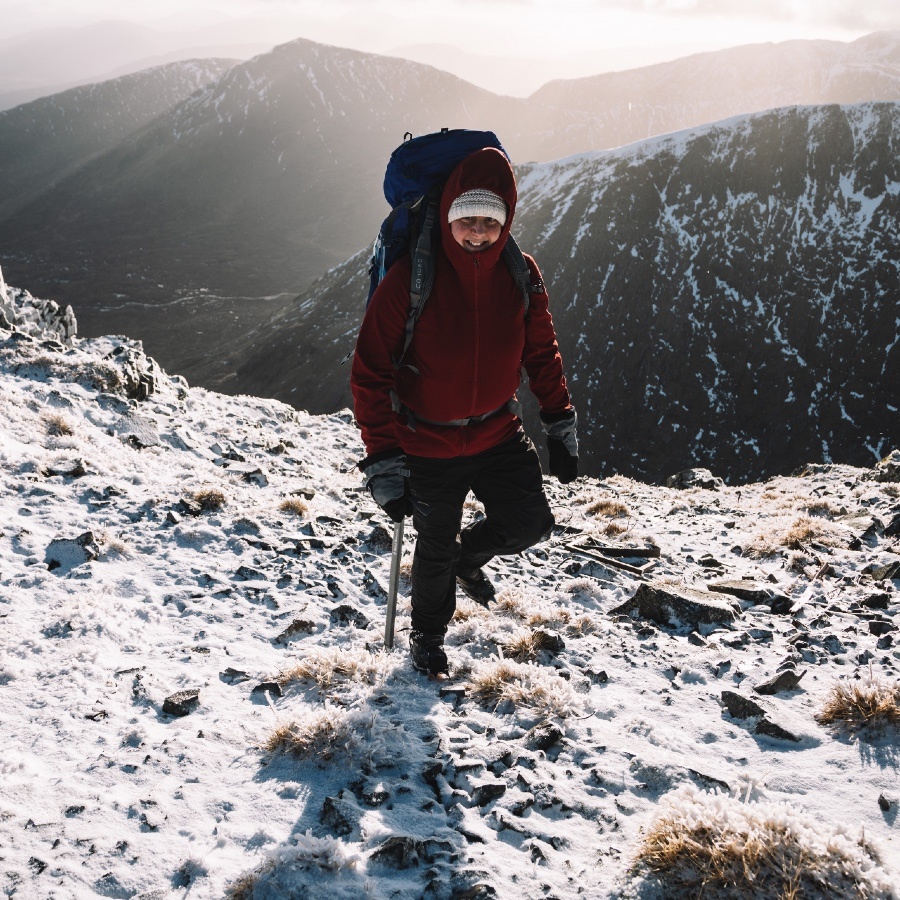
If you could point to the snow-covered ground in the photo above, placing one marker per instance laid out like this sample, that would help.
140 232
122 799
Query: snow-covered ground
146 551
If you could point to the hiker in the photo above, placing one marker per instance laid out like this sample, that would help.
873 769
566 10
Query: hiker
443 420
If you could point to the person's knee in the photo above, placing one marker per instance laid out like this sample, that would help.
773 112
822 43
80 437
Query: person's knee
527 532
543 527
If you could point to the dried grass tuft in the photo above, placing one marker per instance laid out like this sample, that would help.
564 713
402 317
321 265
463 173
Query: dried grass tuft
716 847
469 610
58 426
244 886
803 531
615 529
320 736
527 647
868 706
277 876
111 544
513 600
522 685
333 665
296 506
794 535
562 620
209 499
611 509
821 508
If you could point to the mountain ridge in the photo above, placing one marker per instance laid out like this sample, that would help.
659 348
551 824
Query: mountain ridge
186 196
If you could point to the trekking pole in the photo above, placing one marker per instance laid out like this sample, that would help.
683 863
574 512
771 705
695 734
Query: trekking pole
396 553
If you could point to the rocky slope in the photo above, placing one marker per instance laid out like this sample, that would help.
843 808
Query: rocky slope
196 702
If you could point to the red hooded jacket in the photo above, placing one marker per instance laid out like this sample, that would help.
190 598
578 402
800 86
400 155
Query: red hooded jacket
468 346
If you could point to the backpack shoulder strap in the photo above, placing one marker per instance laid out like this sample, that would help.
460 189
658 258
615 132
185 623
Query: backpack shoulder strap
422 275
518 268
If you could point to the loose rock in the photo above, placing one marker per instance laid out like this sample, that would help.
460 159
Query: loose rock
182 703
694 478
677 606
347 615
399 852
743 590
788 680
340 816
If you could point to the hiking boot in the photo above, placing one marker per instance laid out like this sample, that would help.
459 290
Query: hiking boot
476 585
427 652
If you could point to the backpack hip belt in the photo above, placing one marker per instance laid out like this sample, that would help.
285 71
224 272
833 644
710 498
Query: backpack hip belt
512 405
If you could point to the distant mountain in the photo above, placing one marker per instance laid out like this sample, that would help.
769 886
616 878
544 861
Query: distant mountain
619 108
256 185
259 184
724 297
42 141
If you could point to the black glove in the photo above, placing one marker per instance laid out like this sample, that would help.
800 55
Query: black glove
563 465
562 444
386 482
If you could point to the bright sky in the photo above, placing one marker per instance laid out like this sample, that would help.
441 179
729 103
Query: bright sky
601 34
514 26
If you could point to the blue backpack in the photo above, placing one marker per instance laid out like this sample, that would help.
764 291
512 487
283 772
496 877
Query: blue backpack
413 183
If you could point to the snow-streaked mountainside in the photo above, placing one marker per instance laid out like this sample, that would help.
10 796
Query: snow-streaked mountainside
42 141
266 180
188 579
726 296
729 296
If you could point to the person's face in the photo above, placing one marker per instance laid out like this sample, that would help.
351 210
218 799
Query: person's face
475 233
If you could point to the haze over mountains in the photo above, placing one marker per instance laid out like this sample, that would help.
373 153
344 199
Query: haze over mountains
50 60
260 182
42 141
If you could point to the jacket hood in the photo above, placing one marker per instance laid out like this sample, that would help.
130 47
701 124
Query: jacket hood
487 169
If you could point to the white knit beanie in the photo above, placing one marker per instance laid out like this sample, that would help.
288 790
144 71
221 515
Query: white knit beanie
478 203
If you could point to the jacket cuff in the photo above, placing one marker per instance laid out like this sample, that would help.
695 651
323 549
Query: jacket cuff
372 458
549 418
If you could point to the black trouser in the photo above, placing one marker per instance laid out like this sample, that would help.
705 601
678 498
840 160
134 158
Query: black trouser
507 481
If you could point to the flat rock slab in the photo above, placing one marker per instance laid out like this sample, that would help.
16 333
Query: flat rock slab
751 591
137 431
884 573
677 606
